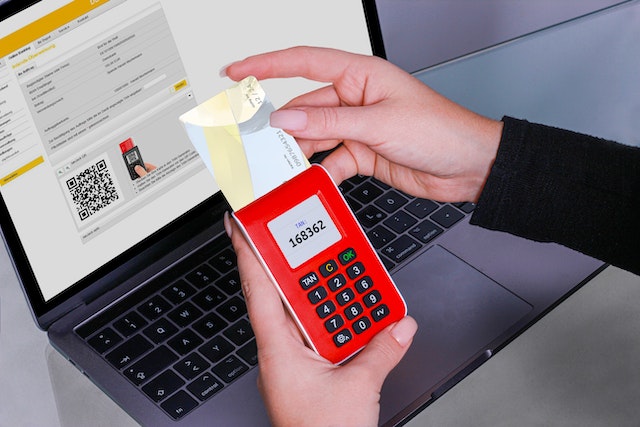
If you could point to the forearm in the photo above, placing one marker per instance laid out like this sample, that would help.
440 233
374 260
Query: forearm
553 185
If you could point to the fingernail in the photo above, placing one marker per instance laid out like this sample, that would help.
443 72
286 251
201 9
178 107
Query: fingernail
289 119
227 224
404 331
223 71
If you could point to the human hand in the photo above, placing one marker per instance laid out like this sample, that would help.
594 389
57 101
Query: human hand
298 386
142 171
390 124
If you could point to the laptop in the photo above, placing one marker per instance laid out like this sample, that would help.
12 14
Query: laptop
114 228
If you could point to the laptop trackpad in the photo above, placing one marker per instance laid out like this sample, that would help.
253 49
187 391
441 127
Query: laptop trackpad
459 310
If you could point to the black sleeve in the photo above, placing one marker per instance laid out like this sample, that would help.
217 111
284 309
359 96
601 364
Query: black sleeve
554 185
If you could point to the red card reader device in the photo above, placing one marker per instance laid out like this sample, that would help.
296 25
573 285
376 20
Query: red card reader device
322 263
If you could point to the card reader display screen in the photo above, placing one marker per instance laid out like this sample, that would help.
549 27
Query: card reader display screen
304 231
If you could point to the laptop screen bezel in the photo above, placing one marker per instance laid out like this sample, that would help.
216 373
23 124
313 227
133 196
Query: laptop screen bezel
373 26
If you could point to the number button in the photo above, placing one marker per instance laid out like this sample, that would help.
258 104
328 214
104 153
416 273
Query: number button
361 325
309 280
347 256
337 282
345 297
353 311
372 299
317 295
326 309
328 268
355 270
364 284
334 323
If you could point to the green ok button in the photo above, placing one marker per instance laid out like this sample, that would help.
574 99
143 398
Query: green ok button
347 256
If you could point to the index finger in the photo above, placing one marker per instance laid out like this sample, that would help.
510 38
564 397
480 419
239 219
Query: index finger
314 63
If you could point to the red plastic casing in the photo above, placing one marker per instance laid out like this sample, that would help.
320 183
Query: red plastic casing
254 218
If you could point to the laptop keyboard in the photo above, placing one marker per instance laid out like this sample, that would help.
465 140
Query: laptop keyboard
398 225
186 335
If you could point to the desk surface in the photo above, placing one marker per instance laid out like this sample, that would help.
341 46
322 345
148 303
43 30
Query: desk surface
577 366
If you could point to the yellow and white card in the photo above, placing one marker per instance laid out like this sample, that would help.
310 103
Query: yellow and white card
247 157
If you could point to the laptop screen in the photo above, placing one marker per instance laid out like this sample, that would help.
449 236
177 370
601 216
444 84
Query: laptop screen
92 157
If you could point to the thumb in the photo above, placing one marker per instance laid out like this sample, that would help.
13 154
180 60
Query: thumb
386 350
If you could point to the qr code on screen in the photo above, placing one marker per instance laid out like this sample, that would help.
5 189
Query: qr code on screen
92 189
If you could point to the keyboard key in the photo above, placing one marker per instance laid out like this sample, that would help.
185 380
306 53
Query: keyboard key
334 323
130 324
309 280
381 184
347 256
353 311
179 405
364 284
372 299
230 283
345 186
380 312
447 215
233 309
328 268
191 366
105 340
317 295
154 307
325 309
391 201
342 337
185 342
358 179
160 331
129 351
366 192
240 332
355 270
401 248
400 222
370 216
163 386
209 298
209 325
205 386
230 369
216 349
225 261
466 207
178 292
425 231
380 237
361 325
141 371
421 207
202 276
249 353
336 282
184 315
345 297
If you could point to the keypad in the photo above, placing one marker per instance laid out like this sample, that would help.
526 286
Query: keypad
346 301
